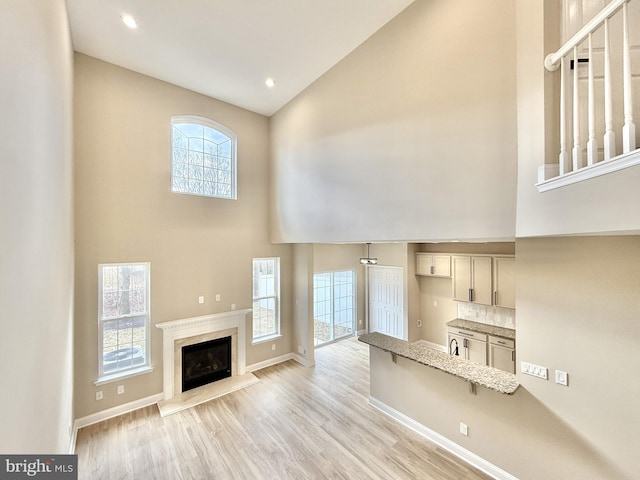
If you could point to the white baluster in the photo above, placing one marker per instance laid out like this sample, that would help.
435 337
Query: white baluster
609 134
577 148
629 129
564 156
592 144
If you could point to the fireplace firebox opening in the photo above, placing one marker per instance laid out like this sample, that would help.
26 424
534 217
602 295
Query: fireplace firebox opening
205 362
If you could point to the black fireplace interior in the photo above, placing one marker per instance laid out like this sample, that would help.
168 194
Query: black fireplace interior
206 362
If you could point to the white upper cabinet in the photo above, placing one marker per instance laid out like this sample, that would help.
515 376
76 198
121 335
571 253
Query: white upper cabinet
504 282
431 265
472 279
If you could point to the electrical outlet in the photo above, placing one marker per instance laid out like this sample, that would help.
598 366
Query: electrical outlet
419 323
435 303
120 389
201 299
464 429
233 306
562 378
99 395
217 297
273 346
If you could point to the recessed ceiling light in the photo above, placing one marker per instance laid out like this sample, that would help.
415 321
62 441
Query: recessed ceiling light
129 21
270 82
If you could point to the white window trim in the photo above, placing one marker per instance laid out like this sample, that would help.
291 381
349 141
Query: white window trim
266 338
277 334
207 122
122 375
139 369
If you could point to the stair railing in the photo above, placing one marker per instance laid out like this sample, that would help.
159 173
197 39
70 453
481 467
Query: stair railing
572 166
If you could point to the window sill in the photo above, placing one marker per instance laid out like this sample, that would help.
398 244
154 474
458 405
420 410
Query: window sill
266 339
123 375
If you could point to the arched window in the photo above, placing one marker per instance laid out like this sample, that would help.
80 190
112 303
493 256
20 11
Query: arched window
203 157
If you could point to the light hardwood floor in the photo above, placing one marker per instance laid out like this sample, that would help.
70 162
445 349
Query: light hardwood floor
297 423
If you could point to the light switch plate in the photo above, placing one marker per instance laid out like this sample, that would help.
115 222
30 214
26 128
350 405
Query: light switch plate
562 378
534 370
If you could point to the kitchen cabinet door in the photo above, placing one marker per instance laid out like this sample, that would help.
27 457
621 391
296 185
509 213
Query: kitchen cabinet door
472 280
504 282
502 354
461 267
476 350
502 358
468 345
433 265
442 265
481 291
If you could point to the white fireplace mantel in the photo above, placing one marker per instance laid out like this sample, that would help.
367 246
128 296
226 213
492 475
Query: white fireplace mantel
194 326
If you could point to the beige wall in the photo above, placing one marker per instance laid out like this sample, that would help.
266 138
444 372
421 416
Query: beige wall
125 212
578 310
413 295
410 137
598 205
36 219
303 300
492 248
435 317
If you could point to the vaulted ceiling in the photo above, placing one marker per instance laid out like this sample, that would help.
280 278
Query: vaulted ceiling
227 49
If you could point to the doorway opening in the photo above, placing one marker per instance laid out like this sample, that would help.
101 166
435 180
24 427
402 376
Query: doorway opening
334 306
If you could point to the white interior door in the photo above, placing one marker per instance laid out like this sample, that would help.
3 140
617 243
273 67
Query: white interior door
386 301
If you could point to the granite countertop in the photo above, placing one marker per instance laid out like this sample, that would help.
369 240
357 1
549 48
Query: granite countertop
483 328
489 377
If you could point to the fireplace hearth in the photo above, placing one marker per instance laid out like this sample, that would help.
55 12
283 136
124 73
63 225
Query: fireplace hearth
177 334
205 362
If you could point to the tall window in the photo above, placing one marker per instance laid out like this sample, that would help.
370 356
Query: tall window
203 158
334 301
123 317
266 298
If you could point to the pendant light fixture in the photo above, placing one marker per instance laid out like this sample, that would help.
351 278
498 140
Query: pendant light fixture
368 260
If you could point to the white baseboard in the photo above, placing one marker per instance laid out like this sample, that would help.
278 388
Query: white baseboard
304 361
110 413
452 447
435 346
268 362
276 360
362 332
